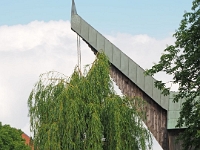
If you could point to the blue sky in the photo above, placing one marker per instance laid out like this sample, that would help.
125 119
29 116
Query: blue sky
156 18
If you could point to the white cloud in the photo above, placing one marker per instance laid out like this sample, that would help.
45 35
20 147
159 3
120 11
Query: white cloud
26 51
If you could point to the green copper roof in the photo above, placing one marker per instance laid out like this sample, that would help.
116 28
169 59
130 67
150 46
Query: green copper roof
173 112
126 65
73 11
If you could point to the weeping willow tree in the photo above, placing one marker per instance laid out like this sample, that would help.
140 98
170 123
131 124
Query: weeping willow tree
84 113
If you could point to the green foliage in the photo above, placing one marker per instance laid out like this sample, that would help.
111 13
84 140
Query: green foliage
84 113
182 60
11 139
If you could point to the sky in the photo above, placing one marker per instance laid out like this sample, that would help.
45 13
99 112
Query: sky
36 37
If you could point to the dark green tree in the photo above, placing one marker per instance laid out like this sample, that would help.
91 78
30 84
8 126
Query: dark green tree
84 113
182 61
11 139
